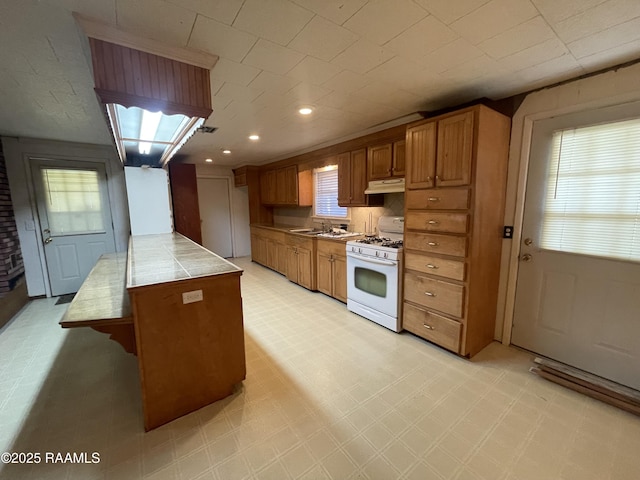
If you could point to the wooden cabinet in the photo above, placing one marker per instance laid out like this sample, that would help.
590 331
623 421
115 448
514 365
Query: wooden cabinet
352 180
301 261
332 268
439 152
266 248
240 178
453 235
386 161
286 186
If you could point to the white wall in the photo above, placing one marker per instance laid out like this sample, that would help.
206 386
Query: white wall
239 208
17 152
615 87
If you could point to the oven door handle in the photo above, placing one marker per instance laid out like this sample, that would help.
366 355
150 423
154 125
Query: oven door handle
372 260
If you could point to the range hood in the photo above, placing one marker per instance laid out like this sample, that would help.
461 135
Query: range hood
392 185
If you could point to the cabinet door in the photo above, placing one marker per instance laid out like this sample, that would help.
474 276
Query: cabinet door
282 259
421 156
272 254
358 177
324 273
340 278
379 162
304 267
398 168
282 195
268 187
290 185
455 147
254 248
261 250
344 178
292 264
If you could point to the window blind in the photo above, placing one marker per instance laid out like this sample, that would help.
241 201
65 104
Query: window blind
592 203
326 193
73 201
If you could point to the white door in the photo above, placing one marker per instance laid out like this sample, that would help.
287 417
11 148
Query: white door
75 219
215 215
578 288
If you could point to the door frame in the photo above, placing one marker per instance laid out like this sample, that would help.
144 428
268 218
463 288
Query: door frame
231 208
519 158
33 201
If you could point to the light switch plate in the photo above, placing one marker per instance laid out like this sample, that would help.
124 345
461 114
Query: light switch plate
192 297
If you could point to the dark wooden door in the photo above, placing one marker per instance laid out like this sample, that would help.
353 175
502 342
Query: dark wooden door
184 194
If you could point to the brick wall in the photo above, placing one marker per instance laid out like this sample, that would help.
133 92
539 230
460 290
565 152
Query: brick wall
11 264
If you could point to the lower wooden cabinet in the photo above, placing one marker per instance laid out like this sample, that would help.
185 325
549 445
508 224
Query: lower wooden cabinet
332 269
300 267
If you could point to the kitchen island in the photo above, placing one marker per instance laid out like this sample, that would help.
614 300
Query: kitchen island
186 309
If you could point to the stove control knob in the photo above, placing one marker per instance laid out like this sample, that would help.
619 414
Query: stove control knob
385 255
359 250
377 254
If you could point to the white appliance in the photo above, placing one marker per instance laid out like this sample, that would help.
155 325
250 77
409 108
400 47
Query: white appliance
374 266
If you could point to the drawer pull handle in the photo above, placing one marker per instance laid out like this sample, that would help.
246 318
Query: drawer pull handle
433 222
433 244
428 327
430 265
430 294
434 199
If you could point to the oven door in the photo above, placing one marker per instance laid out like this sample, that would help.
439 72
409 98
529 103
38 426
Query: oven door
373 282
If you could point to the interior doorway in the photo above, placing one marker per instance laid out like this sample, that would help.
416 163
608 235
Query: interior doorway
215 215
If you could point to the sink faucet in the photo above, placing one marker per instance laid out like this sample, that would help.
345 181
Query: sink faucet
326 226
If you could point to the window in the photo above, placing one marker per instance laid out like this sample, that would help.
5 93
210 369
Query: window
326 193
73 201
592 203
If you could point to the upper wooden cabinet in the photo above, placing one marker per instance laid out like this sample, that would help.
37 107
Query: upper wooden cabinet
352 180
286 186
439 152
386 161
240 177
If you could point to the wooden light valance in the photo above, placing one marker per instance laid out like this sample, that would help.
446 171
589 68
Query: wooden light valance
133 78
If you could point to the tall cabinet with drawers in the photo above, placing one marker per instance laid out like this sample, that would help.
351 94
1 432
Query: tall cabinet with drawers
454 206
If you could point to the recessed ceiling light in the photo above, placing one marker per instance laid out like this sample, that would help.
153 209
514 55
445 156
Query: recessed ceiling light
254 137
209 160
226 152
305 110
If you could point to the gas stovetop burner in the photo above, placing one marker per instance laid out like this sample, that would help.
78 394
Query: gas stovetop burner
381 241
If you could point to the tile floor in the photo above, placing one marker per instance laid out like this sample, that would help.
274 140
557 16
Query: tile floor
327 395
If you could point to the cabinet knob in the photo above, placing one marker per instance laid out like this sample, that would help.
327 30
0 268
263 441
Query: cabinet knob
430 294
433 222
432 266
434 199
428 327
433 244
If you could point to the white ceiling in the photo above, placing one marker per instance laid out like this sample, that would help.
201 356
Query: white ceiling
358 62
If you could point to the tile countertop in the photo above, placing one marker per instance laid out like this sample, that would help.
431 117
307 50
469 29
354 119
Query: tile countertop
171 257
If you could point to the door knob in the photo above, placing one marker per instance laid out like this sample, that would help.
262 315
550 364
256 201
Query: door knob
48 240
526 257
528 241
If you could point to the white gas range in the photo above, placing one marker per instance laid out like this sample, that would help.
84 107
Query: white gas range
374 266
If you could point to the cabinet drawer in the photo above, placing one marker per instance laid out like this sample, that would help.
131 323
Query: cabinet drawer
442 296
430 326
433 243
298 241
435 266
437 222
437 199
332 247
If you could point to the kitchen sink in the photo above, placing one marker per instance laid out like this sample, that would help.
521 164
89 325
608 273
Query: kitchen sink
306 231
339 235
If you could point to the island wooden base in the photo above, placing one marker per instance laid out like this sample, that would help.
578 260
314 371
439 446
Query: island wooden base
123 334
189 355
